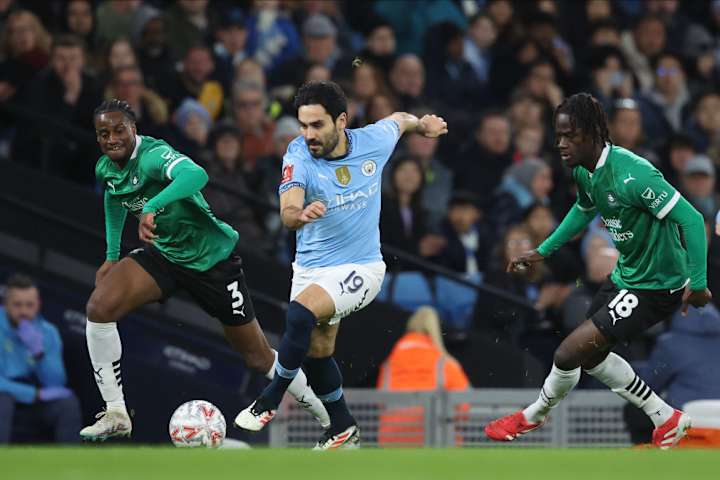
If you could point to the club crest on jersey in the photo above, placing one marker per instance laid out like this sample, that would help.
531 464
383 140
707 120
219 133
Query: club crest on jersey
368 168
343 175
135 180
648 194
287 173
611 199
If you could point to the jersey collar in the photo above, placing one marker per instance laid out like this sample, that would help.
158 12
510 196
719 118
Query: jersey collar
138 141
603 156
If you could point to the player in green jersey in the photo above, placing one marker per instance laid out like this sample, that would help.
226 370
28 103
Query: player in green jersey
655 275
187 248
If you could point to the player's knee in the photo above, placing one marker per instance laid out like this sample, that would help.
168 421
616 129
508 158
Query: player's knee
564 358
100 309
320 348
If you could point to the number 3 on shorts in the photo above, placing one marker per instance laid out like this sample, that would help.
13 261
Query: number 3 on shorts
236 294
622 305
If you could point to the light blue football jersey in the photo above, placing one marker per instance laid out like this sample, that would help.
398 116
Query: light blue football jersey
350 188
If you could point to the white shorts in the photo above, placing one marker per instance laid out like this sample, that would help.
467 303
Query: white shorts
351 286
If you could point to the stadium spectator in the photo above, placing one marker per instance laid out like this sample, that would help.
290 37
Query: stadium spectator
117 18
626 129
525 111
229 180
381 106
668 98
407 79
317 73
119 54
191 127
80 21
403 220
528 142
150 109
230 47
319 38
680 149
523 185
187 24
35 404
604 33
418 362
481 163
154 54
287 128
478 46
641 45
610 79
368 81
437 178
698 185
450 78
541 84
272 37
543 29
468 241
250 71
704 126
68 96
195 81
380 45
256 128
25 47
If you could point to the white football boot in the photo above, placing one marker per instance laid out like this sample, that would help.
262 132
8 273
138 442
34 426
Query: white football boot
348 438
111 423
253 419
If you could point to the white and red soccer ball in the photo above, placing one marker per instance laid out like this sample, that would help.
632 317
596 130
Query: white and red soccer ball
197 423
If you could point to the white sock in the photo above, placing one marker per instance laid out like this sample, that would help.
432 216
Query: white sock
105 349
556 387
617 374
299 387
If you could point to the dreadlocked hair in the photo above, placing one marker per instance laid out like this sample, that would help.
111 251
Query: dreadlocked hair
587 115
115 105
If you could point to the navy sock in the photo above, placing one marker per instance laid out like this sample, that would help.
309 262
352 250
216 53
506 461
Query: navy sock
293 348
326 380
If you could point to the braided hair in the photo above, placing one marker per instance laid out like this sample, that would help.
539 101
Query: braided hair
115 105
587 115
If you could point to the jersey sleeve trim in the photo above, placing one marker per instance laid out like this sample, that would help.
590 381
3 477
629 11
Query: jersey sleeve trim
669 206
287 186
172 165
585 209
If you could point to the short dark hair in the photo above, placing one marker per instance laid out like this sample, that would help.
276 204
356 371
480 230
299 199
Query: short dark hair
20 281
587 115
115 105
327 94
68 40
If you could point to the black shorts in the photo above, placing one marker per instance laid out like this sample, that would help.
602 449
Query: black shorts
621 314
220 291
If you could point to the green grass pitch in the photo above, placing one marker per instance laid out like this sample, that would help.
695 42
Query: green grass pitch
160 463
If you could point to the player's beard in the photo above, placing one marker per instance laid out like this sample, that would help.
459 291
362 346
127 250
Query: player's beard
328 146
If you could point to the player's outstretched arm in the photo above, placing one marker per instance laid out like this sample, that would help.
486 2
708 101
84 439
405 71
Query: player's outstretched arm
429 125
293 211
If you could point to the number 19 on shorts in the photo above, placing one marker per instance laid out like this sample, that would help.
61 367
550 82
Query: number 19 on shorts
622 305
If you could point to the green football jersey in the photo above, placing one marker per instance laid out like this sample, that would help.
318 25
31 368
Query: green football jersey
633 198
188 232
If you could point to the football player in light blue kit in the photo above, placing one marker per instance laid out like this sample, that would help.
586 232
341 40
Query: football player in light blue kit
330 194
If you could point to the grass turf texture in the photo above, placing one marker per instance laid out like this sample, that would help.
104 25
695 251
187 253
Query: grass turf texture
159 463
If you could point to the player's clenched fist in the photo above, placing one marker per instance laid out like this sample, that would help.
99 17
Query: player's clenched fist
146 230
433 126
522 262
312 212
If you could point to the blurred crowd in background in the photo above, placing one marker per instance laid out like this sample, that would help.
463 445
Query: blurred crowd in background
216 80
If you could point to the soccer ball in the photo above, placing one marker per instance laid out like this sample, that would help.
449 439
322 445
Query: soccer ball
197 423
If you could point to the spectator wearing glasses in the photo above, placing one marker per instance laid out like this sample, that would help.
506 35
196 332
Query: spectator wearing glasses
668 99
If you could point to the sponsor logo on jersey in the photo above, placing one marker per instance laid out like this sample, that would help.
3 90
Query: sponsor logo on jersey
354 200
111 185
287 173
614 225
656 203
343 175
648 194
368 168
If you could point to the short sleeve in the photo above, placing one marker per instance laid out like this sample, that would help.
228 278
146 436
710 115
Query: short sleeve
160 161
649 190
383 135
584 199
294 172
